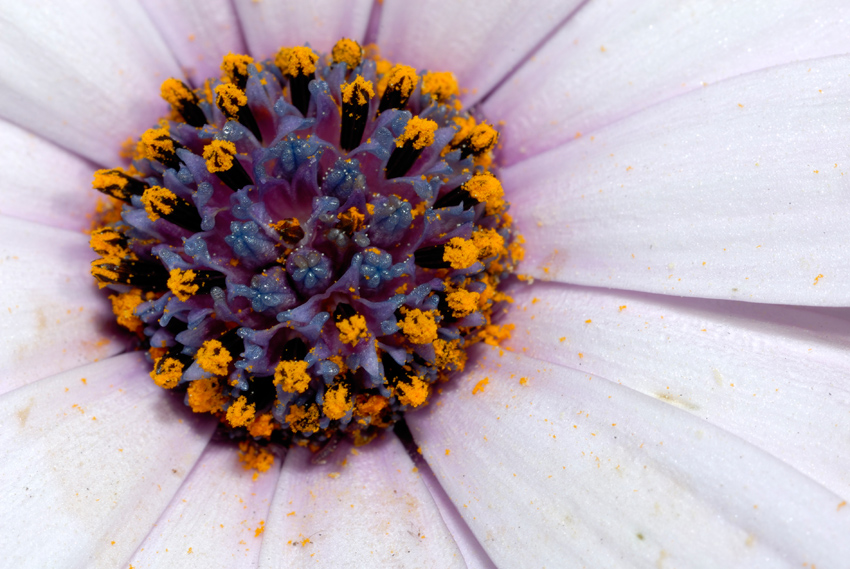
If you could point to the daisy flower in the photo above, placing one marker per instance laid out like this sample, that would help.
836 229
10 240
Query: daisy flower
675 390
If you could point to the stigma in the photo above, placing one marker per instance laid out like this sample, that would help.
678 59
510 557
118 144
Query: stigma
308 245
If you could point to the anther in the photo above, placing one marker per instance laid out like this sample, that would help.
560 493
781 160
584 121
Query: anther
458 253
168 370
186 284
141 274
299 65
290 230
441 85
235 68
355 112
184 101
234 104
116 183
109 242
481 140
162 202
402 80
347 51
156 144
417 135
221 161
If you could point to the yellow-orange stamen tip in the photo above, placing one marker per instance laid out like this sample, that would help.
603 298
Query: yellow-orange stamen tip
219 155
124 307
255 457
347 51
182 284
233 64
295 61
414 393
167 372
158 201
360 90
112 178
483 138
351 330
440 84
402 78
419 327
488 190
230 99
263 426
240 413
303 418
462 302
489 243
460 253
155 143
176 93
213 357
420 132
205 395
292 376
336 403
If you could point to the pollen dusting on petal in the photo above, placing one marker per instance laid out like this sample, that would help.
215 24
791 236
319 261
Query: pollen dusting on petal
230 99
414 393
294 61
303 418
337 402
360 90
440 84
419 327
167 372
234 65
420 133
263 426
241 413
124 307
352 330
181 283
488 190
219 155
460 253
462 302
213 357
158 201
494 334
254 457
205 395
347 51
292 376
479 387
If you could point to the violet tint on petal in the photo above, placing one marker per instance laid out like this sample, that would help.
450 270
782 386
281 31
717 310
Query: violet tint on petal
734 191
617 57
574 467
92 456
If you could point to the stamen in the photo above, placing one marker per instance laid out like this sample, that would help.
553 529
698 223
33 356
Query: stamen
168 369
140 274
355 110
481 139
418 134
184 101
441 85
109 242
235 69
221 161
116 183
160 202
299 65
234 104
401 82
347 51
186 284
157 145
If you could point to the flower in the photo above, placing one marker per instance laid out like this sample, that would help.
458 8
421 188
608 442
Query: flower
676 392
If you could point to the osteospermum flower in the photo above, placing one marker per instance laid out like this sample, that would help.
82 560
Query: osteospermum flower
675 391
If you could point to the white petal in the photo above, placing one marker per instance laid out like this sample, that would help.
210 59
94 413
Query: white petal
43 183
199 33
215 519
574 470
479 43
775 376
734 191
87 79
272 24
617 57
54 317
90 464
365 508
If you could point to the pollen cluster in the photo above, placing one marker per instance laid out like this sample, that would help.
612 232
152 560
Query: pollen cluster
308 244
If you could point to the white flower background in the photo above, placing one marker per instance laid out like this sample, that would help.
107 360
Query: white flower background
681 173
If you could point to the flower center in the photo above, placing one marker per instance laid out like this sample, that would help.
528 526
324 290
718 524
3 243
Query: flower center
307 246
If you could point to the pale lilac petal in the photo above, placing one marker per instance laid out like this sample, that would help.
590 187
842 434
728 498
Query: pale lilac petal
54 317
775 376
41 182
215 520
365 508
571 466
199 33
91 458
272 24
615 58
87 79
729 192
479 44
